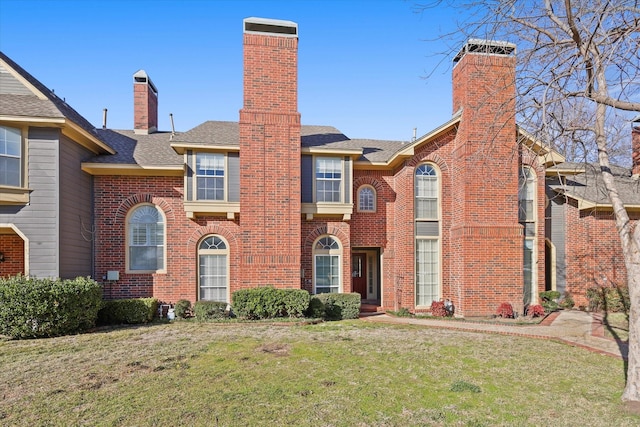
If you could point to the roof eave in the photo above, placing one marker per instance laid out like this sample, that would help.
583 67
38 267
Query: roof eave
182 147
106 169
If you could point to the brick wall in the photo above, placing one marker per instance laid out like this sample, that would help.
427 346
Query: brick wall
270 162
12 246
487 241
594 254
115 197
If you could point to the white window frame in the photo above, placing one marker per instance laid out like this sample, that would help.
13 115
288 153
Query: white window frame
328 247
7 153
319 169
370 205
218 167
218 247
161 246
428 174
426 190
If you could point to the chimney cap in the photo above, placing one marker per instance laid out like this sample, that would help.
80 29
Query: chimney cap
141 77
492 47
274 27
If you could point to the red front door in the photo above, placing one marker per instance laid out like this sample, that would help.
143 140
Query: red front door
359 274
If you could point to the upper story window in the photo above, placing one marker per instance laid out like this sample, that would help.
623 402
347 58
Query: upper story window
210 176
366 199
146 239
10 156
526 195
328 179
426 192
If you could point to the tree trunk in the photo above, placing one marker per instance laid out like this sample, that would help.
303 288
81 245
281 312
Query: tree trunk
632 388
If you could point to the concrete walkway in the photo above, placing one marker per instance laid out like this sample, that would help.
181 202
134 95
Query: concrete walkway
572 327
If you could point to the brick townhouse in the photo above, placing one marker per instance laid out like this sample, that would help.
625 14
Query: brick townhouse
476 211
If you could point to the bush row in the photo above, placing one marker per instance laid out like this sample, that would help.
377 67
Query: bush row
267 302
613 299
129 311
34 308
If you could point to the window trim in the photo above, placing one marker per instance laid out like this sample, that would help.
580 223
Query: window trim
226 253
437 238
528 176
342 195
331 253
374 196
20 195
196 177
128 269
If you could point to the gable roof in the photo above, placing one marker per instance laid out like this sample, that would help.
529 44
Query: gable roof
588 189
23 98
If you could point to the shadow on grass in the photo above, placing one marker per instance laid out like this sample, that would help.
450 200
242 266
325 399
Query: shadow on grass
623 346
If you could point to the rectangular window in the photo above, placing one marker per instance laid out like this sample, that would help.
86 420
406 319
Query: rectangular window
529 288
427 271
327 274
10 156
213 278
328 179
427 197
209 176
146 248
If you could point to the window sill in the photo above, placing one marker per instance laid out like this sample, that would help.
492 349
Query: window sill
202 208
345 210
14 195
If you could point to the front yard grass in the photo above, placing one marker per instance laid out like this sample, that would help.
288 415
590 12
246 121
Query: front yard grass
348 373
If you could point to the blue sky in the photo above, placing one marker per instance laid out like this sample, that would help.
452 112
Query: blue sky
362 64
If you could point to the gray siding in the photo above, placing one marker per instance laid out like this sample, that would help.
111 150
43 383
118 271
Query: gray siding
10 85
306 176
233 161
347 179
39 219
76 195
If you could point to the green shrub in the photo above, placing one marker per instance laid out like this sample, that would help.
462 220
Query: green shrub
183 308
316 308
339 306
296 302
32 308
549 300
567 301
614 299
210 310
267 302
129 311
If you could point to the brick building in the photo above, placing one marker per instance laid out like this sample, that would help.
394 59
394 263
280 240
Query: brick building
476 211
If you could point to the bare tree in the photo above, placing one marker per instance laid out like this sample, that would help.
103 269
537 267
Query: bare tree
578 73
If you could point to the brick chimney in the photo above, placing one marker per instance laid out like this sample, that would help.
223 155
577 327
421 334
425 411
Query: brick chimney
635 146
145 104
486 236
270 217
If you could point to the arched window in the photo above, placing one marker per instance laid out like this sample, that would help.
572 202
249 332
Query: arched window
426 193
527 216
366 199
213 270
427 235
146 239
327 255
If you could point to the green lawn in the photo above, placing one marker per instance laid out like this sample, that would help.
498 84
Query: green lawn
349 373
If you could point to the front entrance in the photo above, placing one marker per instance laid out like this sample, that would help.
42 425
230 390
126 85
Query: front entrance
365 274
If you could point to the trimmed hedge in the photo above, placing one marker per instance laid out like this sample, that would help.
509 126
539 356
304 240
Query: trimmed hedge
33 308
267 302
209 310
130 311
333 306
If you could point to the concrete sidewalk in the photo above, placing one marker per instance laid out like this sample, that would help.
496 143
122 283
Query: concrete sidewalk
573 327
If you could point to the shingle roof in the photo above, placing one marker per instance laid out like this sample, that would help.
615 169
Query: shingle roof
32 106
133 149
590 186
